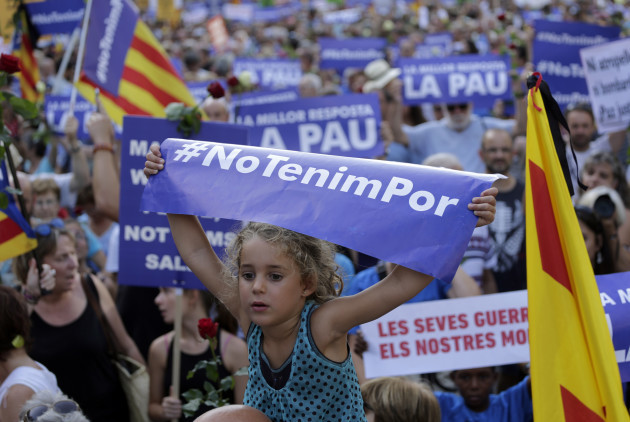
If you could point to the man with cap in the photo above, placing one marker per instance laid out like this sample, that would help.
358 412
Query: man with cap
458 133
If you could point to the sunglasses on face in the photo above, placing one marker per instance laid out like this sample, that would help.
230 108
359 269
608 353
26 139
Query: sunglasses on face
45 229
462 107
62 407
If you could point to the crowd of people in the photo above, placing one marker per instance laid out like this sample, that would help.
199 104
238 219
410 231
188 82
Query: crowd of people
297 332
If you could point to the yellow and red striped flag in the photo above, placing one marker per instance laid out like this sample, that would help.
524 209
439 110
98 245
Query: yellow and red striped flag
24 39
575 376
125 61
16 236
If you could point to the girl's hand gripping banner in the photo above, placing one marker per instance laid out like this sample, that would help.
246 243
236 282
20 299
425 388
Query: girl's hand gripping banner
408 214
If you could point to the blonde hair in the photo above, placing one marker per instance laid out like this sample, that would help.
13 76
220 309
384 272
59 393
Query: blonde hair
401 400
315 258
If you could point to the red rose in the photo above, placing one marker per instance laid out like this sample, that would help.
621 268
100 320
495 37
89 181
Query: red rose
501 17
512 46
207 328
9 63
216 90
233 81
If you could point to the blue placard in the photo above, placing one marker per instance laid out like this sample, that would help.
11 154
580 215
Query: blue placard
408 214
56 17
346 125
614 290
275 13
112 26
270 73
148 256
353 52
458 79
264 97
556 50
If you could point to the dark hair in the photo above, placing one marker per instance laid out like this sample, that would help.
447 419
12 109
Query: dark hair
607 263
225 319
46 245
580 106
14 320
607 157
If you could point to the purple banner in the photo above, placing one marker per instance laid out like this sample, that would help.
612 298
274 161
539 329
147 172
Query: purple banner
614 291
458 79
270 73
341 125
112 25
148 256
412 215
352 52
556 50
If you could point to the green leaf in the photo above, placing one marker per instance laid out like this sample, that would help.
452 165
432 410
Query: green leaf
227 383
212 371
4 200
192 394
23 107
208 386
191 407
174 111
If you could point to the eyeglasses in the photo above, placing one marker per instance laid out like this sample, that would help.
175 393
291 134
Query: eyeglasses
581 106
62 407
452 107
45 229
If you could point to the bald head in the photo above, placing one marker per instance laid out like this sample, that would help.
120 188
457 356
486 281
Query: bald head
216 109
233 413
497 151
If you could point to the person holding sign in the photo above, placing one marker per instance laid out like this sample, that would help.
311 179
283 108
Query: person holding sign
282 287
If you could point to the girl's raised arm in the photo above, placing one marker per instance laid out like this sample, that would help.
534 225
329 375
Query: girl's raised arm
339 315
194 247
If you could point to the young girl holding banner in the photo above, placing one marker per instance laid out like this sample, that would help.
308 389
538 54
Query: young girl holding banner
283 289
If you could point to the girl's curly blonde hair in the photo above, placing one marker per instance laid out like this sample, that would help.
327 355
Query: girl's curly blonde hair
314 257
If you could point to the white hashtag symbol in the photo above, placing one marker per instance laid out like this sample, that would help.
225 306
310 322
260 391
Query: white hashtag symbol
189 150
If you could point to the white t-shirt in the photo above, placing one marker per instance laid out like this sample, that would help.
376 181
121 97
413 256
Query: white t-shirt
35 379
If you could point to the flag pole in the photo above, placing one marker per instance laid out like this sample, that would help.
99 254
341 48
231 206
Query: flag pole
66 58
79 64
177 326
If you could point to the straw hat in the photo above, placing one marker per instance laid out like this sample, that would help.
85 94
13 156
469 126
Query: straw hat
379 74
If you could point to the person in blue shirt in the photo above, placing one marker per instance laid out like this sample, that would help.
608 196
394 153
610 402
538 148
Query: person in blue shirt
475 403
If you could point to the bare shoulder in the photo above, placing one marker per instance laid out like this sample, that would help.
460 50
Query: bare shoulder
235 353
158 351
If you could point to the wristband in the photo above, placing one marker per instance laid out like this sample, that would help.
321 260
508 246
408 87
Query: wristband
76 149
32 299
519 94
104 147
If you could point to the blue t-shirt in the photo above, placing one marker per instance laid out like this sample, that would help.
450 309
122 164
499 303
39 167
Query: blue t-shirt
511 405
436 290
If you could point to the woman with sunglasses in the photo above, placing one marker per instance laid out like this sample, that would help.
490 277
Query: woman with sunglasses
67 335
20 375
49 406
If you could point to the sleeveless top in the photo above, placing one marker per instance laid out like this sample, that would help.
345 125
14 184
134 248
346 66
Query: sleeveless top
77 354
188 362
318 388
35 379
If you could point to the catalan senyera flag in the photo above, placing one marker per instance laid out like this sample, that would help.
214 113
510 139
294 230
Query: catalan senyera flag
574 373
24 39
130 68
16 236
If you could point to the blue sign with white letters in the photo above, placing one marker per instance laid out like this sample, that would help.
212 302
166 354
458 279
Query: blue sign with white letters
56 17
148 256
341 125
270 73
408 214
352 52
459 79
614 291
556 55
